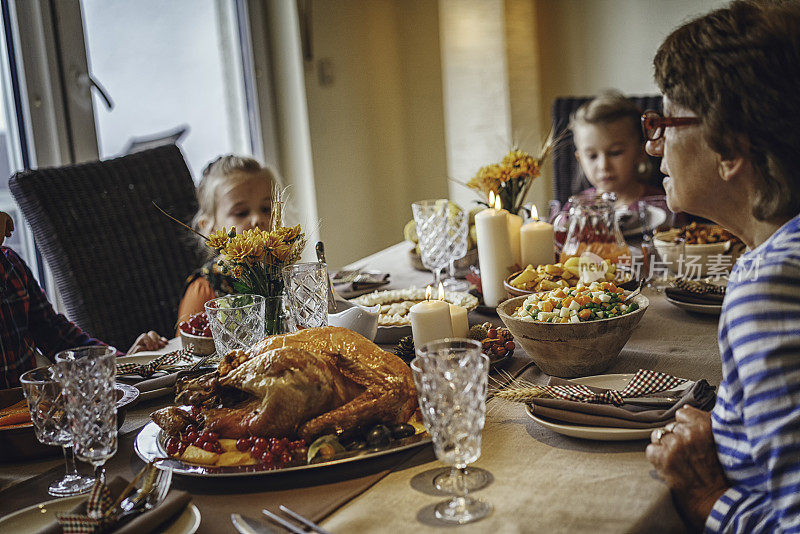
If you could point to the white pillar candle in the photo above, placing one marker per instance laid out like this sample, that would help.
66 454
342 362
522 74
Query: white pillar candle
430 320
494 252
536 243
459 320
514 225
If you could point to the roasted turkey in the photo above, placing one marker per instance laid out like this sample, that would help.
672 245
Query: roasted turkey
312 382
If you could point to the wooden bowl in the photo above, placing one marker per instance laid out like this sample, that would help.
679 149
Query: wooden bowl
568 350
202 345
512 291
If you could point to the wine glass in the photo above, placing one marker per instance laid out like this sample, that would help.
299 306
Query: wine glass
431 219
87 376
306 286
46 402
457 232
451 379
654 217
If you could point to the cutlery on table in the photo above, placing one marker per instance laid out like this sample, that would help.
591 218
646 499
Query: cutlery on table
320 248
248 525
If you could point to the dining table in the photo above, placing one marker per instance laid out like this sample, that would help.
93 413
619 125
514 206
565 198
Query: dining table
540 480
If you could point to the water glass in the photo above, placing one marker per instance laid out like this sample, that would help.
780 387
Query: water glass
451 378
434 244
237 321
457 232
46 403
306 288
87 375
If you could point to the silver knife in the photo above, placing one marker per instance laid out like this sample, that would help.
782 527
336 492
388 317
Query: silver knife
248 525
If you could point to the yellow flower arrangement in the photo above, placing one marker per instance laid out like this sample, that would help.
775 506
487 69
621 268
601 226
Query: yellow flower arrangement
510 179
255 258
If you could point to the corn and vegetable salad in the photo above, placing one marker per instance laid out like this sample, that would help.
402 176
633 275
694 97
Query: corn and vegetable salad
599 300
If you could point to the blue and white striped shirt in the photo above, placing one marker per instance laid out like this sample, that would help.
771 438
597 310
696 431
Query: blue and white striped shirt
756 420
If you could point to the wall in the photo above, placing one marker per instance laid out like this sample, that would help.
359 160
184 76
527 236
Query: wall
589 45
377 131
377 127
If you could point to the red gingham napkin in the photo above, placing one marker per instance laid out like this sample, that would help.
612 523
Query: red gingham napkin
643 382
160 363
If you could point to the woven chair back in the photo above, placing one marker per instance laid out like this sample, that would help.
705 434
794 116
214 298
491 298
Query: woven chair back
118 263
568 178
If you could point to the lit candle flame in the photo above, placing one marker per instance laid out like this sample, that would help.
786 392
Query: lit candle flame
428 292
498 205
534 213
441 291
491 199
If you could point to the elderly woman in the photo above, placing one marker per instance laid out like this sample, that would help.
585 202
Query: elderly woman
729 138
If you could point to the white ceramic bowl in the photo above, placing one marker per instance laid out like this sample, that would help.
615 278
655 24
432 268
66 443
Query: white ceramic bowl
704 256
360 319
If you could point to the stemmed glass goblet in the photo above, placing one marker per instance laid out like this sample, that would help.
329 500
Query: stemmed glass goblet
87 375
451 379
46 402
431 219
457 231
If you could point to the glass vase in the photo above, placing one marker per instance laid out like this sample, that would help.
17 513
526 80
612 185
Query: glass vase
277 319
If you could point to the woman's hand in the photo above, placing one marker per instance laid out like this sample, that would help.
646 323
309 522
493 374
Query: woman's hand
6 226
685 456
148 341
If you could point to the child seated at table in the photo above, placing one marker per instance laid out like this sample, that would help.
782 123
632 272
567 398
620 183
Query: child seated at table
609 146
234 192
28 323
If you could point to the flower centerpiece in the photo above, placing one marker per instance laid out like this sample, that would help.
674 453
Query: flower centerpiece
254 261
510 179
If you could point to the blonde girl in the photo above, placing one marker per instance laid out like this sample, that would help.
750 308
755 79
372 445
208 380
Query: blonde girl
234 192
609 146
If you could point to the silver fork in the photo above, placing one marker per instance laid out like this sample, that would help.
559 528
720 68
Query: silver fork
154 490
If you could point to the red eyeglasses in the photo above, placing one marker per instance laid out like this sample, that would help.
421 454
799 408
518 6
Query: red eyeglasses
653 123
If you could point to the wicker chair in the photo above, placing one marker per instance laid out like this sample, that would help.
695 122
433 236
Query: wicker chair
568 178
119 264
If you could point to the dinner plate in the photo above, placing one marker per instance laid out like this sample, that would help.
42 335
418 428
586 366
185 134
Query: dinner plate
35 518
706 309
600 433
391 334
149 445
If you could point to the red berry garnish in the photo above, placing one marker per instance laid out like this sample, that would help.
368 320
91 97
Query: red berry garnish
185 439
182 447
277 448
172 446
207 331
192 436
191 428
267 457
212 436
492 333
208 446
286 458
243 444
199 442
261 443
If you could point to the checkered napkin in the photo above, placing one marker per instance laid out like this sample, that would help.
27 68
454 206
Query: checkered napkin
644 382
99 503
178 358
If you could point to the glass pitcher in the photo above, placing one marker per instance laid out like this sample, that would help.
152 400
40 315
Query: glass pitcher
592 226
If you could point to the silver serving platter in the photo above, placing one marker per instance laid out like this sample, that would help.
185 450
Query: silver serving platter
150 445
